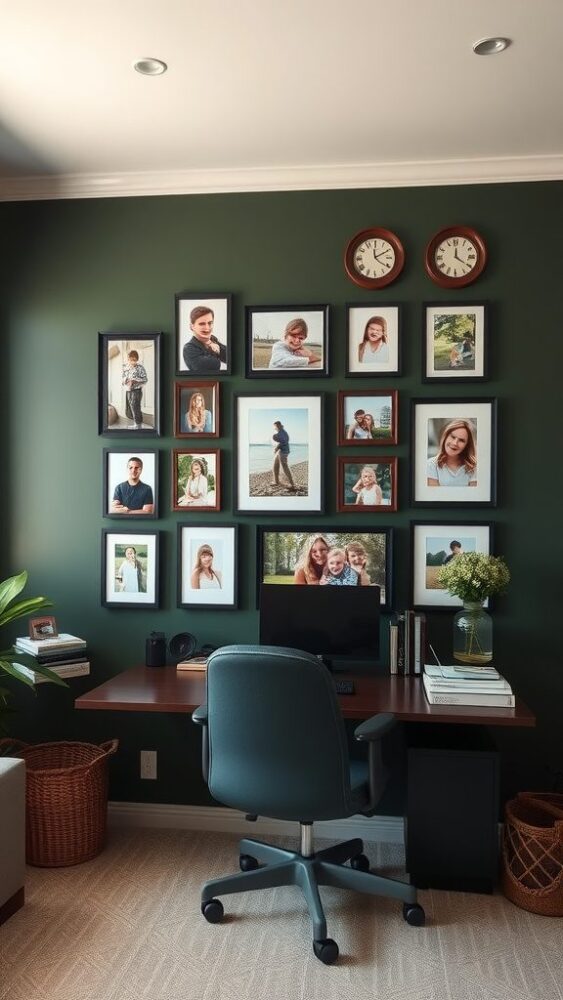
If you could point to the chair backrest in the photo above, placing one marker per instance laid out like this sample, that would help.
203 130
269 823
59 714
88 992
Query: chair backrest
277 742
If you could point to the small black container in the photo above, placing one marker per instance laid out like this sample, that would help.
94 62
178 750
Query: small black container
155 650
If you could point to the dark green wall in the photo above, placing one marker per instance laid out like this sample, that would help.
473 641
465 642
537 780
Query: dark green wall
77 267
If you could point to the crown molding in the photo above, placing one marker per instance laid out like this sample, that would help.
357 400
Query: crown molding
500 170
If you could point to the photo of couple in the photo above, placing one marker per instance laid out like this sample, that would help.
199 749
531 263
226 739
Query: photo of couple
324 558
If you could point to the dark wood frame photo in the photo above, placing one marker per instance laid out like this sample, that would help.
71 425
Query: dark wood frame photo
112 457
464 347
254 491
183 394
44 627
479 420
282 556
214 537
367 397
201 455
387 315
307 322
149 598
204 364
456 537
117 407
386 481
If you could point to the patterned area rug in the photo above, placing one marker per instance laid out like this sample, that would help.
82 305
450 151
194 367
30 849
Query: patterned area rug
127 926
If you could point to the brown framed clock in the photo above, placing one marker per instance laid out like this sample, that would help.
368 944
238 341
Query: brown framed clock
455 257
374 257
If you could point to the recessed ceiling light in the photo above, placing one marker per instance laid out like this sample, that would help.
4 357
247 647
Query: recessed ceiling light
490 46
150 67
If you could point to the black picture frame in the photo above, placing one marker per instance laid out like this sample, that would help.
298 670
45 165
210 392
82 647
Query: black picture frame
204 364
117 408
147 545
340 534
357 321
464 359
479 416
267 325
477 536
115 464
212 536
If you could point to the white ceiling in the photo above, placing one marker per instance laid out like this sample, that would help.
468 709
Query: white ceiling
264 94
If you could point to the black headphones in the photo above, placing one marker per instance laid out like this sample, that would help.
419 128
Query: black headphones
182 646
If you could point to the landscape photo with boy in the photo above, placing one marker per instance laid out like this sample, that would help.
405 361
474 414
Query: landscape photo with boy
454 341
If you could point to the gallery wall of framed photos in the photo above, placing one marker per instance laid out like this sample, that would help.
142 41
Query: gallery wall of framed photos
128 267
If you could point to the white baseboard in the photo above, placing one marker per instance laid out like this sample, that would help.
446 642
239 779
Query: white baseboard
216 819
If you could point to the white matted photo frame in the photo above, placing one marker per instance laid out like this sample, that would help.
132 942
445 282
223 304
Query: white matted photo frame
196 479
207 566
455 344
196 409
130 570
203 334
435 544
373 339
300 556
453 452
279 453
287 341
130 483
367 487
366 418
129 384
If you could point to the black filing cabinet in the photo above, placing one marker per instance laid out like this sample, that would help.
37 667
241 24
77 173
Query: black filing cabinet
451 825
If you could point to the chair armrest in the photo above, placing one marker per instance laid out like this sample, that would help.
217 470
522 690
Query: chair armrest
199 715
376 727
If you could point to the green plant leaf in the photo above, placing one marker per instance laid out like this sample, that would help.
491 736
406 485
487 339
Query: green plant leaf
23 608
10 588
10 668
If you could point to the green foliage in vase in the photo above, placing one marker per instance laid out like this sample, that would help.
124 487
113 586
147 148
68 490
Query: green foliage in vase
474 576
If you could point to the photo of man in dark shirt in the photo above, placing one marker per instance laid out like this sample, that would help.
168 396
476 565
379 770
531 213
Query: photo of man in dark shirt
203 353
133 496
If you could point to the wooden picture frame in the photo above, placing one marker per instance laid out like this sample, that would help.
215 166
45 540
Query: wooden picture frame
367 418
196 479
203 334
455 342
44 627
194 419
129 384
287 341
438 426
130 568
207 572
366 487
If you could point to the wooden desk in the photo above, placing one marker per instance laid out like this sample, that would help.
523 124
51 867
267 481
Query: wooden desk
164 689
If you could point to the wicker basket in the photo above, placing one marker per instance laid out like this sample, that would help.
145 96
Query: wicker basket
532 852
66 800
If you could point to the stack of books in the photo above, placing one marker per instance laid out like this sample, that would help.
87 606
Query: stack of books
407 643
195 663
453 685
64 654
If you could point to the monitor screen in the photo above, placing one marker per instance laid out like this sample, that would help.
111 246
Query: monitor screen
337 623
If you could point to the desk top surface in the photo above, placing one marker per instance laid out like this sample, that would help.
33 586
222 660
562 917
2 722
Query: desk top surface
164 689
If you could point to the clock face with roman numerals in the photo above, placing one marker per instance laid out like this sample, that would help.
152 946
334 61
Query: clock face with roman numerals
374 258
455 257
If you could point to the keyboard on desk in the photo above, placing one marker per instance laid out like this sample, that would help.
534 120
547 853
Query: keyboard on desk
344 687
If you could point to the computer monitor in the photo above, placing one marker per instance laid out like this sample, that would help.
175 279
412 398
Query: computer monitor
340 624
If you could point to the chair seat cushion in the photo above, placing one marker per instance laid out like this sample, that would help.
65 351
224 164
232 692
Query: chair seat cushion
359 784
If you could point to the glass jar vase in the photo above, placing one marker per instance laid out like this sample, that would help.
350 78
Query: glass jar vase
473 634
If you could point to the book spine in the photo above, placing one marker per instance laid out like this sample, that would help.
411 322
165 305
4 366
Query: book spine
400 643
393 649
409 648
53 661
437 687
72 670
419 642
475 700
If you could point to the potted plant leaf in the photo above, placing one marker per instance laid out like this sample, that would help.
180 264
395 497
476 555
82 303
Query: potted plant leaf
10 610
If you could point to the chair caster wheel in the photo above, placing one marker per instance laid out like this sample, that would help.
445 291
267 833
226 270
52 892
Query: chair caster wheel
360 863
213 911
326 949
247 863
414 914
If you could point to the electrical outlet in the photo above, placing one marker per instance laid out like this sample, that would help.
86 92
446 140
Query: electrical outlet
148 764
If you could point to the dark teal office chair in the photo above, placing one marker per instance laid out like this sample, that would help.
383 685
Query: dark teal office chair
275 745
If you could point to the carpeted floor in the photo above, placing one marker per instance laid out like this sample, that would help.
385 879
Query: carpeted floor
127 926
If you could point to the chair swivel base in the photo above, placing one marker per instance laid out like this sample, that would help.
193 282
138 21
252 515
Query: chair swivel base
266 867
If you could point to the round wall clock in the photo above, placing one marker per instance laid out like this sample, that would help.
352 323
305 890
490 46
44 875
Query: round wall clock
374 257
455 257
